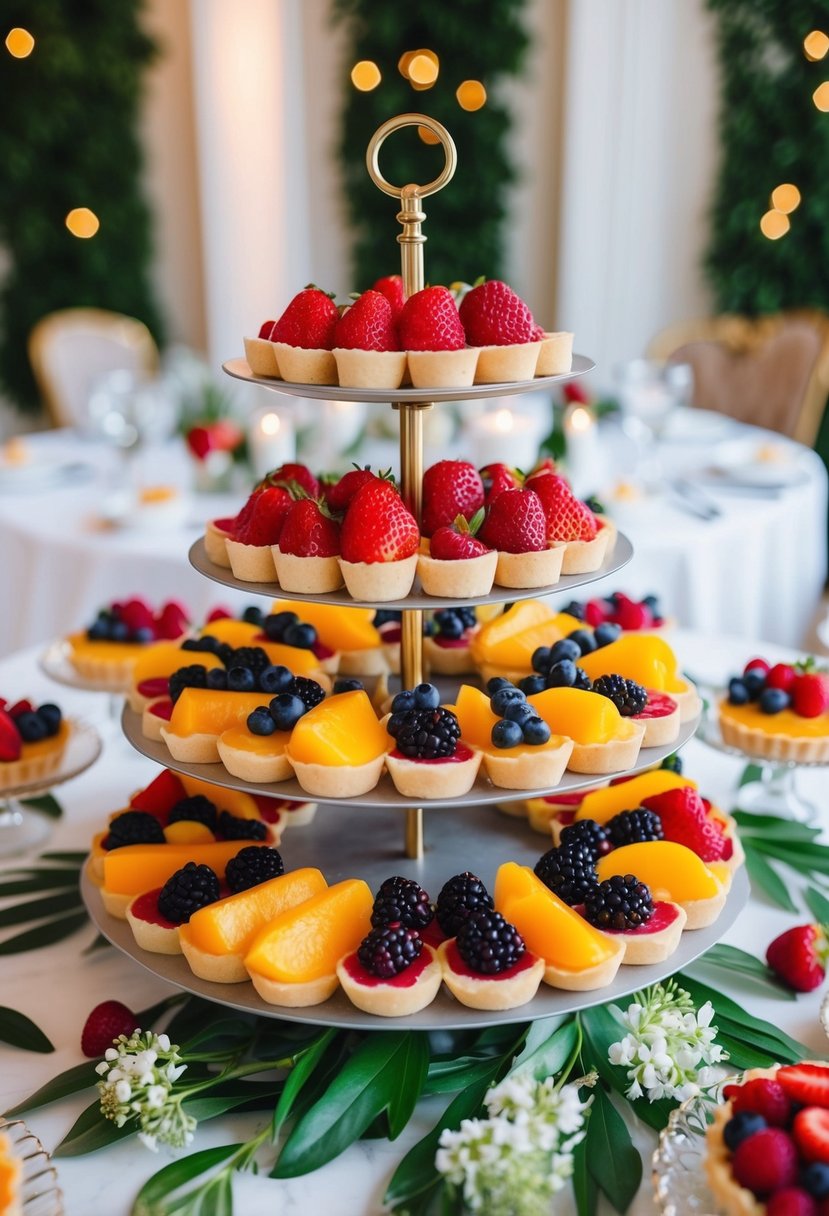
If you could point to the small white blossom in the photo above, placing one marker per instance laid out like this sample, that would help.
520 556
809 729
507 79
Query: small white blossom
670 1046
137 1077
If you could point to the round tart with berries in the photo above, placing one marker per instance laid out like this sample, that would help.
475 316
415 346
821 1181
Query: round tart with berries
429 759
447 646
778 712
393 972
155 916
519 749
488 966
32 742
106 653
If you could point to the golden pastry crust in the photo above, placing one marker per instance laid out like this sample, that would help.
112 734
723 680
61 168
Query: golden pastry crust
112 674
536 768
38 761
157 939
198 748
215 547
731 1198
703 912
556 355
490 992
219 968
151 724
337 781
261 357
307 575
312 992
442 368
502 364
641 949
369 662
616 755
390 1000
659 732
251 563
457 580
447 660
370 368
688 700
585 556
769 746
116 903
300 366
426 779
259 767
522 570
589 978
377 582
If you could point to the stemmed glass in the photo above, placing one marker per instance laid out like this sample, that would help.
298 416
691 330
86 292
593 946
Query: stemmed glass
649 392
129 413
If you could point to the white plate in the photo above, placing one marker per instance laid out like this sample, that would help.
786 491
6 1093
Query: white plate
739 462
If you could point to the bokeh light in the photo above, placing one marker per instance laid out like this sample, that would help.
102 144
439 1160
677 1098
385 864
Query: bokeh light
821 96
815 45
424 68
82 222
785 198
365 75
471 95
19 43
774 224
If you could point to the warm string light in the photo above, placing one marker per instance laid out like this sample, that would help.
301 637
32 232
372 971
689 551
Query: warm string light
471 95
19 43
365 75
82 222
821 97
785 198
774 224
815 45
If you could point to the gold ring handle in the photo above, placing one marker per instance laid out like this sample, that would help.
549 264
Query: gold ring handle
397 124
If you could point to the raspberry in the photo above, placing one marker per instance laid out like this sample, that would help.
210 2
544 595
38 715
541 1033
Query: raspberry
489 944
387 951
234 827
401 900
791 1201
763 1096
190 888
251 866
459 898
766 1162
134 827
103 1026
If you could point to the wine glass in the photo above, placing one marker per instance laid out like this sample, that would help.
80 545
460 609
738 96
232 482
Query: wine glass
130 412
649 392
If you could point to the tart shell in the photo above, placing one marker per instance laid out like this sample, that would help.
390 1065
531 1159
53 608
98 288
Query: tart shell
157 939
614 756
659 732
641 949
113 675
275 992
306 575
368 662
261 356
447 660
773 747
379 581
526 570
370 368
457 580
489 992
556 355
259 767
443 368
214 545
588 979
340 780
585 556
198 748
500 364
37 760
541 766
417 779
251 563
219 968
390 1000
300 366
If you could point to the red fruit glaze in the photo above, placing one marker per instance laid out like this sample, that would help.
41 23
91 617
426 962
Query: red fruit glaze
307 532
798 957
405 979
806 1083
450 488
429 321
367 325
658 706
460 754
494 315
791 1201
766 1161
104 1024
458 965
145 907
515 523
664 914
378 527
764 1096
308 321
161 709
461 643
158 686
811 1133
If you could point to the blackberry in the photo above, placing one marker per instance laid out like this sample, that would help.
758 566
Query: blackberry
308 691
620 902
634 827
387 951
205 645
568 871
583 680
252 657
233 827
189 889
672 763
225 652
629 697
425 734
197 808
589 833
134 827
251 866
347 684
459 899
194 676
489 944
401 900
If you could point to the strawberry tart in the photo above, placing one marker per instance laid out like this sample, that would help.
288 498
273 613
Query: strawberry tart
587 538
260 353
515 526
366 344
307 555
432 335
379 542
303 338
500 325
32 742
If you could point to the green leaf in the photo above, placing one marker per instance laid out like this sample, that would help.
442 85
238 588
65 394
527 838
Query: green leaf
613 1162
547 1057
45 804
20 1031
39 880
768 826
304 1065
150 1199
411 1067
585 1191
448 1076
742 1054
750 774
747 1027
45 934
739 962
799 857
91 1131
765 879
72 1081
818 905
37 909
74 856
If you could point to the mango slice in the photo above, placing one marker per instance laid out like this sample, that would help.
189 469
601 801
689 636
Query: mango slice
475 716
240 804
549 927
163 658
136 868
188 831
210 711
230 925
645 658
510 639
585 717
671 870
603 804
306 942
337 628
340 730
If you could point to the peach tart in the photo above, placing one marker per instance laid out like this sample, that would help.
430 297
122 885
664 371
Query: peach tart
649 661
778 712
32 742
603 741
338 748
133 869
516 754
505 645
106 653
150 680
673 872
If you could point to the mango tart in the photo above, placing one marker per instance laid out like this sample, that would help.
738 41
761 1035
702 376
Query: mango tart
134 869
675 873
338 749
259 758
521 767
152 670
649 661
504 646
603 741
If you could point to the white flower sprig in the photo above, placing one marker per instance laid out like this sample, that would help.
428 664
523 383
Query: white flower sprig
670 1049
514 1161
137 1077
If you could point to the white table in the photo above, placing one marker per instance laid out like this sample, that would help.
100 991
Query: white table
106 1183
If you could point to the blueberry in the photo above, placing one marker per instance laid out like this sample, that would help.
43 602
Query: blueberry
574 608
217 678
118 631
541 659
497 682
348 685
403 702
773 700
652 602
503 697
286 710
562 675
519 711
451 625
755 681
276 624
606 633
426 696
50 715
467 617
241 679
300 635
31 727
384 616
99 631
566 648
532 684
536 731
253 615
260 722
744 1124
144 634
584 639
737 691
814 1178
274 679
507 734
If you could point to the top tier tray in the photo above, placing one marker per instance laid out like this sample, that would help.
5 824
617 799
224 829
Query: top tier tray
240 370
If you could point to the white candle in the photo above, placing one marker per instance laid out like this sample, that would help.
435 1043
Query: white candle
271 440
503 437
582 456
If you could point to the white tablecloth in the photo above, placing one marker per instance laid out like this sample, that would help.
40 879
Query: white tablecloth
105 1184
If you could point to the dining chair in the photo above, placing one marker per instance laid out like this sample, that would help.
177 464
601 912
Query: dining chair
772 371
72 350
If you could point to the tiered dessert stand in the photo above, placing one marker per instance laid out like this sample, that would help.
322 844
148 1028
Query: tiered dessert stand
359 837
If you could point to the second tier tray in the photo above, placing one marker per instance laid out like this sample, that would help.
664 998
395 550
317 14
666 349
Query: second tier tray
621 555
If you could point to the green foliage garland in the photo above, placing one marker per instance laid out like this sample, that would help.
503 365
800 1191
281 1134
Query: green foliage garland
466 219
770 132
69 139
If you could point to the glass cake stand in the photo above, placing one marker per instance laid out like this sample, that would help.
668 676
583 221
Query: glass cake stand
40 1194
679 1182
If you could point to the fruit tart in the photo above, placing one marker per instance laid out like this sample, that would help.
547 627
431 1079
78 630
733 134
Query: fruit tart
556 355
303 338
447 643
432 335
249 545
631 615
349 633
307 555
338 748
379 542
106 652
778 712
32 742
587 538
650 662
498 322
519 750
429 759
285 634
260 352
487 965
455 564
506 645
672 872
515 526
450 488
393 972
155 915
767 1147
366 344
603 741
256 750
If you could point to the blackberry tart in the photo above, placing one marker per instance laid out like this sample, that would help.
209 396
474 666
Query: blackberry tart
622 907
488 966
155 916
393 972
428 760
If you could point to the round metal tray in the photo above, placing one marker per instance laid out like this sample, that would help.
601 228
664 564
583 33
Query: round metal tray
384 796
240 370
621 555
345 842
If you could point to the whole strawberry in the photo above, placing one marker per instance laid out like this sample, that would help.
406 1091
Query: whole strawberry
782 676
378 527
340 493
266 328
11 742
309 531
308 321
430 321
498 477
457 541
810 694
104 1024
798 957
300 473
450 488
515 523
685 801
494 315
702 836
391 286
630 614
567 517
171 622
264 525
367 325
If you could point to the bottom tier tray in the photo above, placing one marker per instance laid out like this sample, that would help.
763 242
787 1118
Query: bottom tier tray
363 842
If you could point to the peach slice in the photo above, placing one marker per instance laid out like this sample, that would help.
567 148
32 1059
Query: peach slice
510 639
240 804
602 805
474 713
521 767
135 868
208 711
188 831
235 633
342 730
585 717
163 658
671 870
644 658
337 628
293 960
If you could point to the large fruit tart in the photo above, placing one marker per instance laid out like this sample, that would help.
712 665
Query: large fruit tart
32 742
107 651
778 712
